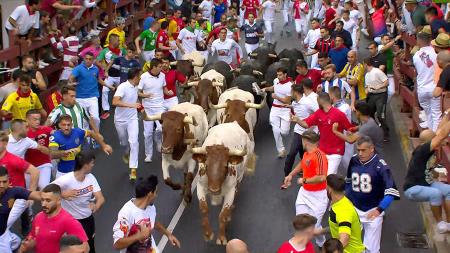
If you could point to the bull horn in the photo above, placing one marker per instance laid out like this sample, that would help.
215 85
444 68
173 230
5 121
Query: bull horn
253 54
263 82
199 150
189 120
285 59
257 106
216 107
151 117
173 63
194 83
237 152
215 84
256 72
272 55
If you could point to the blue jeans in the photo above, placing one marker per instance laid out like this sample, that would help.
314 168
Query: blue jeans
434 193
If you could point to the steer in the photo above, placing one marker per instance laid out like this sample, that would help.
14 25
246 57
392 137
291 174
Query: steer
237 105
224 157
184 125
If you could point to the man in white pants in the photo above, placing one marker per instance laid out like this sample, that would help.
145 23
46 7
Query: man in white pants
280 113
152 88
310 41
286 6
126 119
8 240
371 188
252 33
424 62
312 195
268 15
300 13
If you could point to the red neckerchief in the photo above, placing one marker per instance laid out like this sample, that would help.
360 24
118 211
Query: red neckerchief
288 79
30 12
115 51
20 94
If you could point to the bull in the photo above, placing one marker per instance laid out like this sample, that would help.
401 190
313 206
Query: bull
237 105
223 159
223 68
183 126
263 56
248 79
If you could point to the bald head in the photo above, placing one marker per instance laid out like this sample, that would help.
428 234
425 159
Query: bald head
443 58
426 135
236 246
352 57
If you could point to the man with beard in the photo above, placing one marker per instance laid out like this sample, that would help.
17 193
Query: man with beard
51 224
132 232
225 48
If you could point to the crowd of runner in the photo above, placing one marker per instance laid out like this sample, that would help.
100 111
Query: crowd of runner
46 145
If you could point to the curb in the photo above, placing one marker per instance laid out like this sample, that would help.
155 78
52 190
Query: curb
440 243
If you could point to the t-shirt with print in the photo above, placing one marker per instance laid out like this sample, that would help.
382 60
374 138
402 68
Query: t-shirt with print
7 200
150 39
65 142
418 169
19 147
124 66
129 219
78 206
107 55
188 40
287 247
424 61
40 135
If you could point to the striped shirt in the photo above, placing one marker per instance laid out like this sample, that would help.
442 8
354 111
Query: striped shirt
355 72
69 46
79 116
323 45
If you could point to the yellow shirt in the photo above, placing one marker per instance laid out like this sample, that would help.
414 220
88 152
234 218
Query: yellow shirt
357 73
173 28
19 106
121 35
146 67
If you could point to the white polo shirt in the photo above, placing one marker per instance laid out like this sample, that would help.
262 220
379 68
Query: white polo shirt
153 85
281 89
306 106
128 93
20 147
188 40
24 19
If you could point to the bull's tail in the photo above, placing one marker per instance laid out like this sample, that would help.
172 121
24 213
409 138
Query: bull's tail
250 165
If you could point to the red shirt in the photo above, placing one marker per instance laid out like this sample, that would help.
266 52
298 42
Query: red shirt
163 38
46 5
313 74
214 34
251 6
41 136
329 15
287 247
53 100
16 167
180 25
171 77
48 231
297 9
323 45
329 142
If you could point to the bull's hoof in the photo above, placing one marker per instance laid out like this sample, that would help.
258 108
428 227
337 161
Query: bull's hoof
221 240
187 197
209 237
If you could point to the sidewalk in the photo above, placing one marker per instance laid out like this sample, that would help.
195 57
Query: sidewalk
439 242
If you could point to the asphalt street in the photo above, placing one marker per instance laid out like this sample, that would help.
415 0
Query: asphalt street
263 213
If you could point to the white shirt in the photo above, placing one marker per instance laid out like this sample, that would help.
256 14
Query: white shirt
78 207
128 93
7 89
424 61
25 21
311 37
355 15
225 49
129 219
20 147
188 40
350 26
155 86
206 7
306 106
281 90
345 108
345 87
374 79
269 10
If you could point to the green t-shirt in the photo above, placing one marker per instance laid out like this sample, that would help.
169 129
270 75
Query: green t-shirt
149 39
389 53
344 219
418 16
108 56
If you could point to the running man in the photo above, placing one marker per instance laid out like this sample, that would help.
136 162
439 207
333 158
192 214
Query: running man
149 37
268 9
252 33
225 48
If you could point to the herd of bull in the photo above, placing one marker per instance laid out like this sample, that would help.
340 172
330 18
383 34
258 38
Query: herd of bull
214 127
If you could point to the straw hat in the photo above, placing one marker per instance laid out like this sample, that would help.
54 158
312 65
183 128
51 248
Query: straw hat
410 1
441 41
426 29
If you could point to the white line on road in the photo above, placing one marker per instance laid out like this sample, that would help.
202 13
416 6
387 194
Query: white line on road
176 217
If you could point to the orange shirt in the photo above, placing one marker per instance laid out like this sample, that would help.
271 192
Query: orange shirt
314 163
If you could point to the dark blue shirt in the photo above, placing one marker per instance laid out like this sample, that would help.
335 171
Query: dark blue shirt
87 79
219 11
437 24
338 57
65 142
7 201
124 65
368 183
251 32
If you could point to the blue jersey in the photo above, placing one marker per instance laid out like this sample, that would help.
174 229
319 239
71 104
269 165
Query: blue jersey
367 184
7 201
65 142
124 66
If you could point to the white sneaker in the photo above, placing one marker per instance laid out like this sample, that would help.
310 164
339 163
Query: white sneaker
282 154
442 227
364 31
422 116
424 124
148 159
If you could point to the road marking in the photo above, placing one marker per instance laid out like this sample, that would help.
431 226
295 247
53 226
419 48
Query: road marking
176 217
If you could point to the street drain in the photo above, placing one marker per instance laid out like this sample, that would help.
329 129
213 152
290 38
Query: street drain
412 240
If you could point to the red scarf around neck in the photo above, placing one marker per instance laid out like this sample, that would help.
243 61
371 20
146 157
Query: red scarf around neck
115 51
21 94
